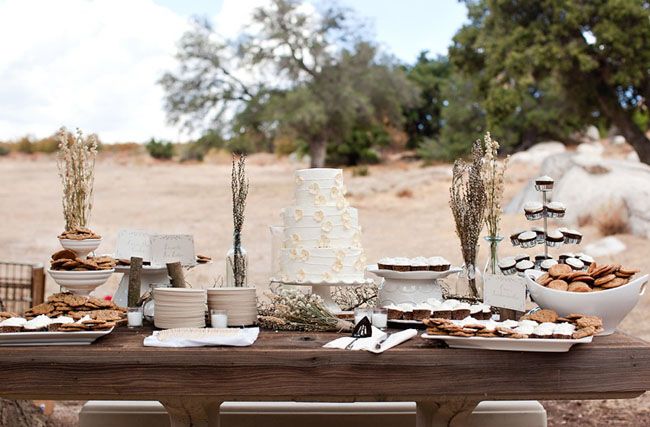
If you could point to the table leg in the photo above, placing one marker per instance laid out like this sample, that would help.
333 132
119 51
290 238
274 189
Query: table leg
192 412
452 413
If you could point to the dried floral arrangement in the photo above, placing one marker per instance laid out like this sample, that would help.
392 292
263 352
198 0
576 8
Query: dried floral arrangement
293 310
493 172
239 186
76 164
493 179
468 201
351 297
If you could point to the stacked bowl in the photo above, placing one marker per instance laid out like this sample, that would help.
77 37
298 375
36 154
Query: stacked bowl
179 308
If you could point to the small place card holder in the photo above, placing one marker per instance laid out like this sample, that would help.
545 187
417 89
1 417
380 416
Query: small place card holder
505 292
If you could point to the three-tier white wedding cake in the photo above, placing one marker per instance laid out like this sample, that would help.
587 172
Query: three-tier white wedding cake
322 237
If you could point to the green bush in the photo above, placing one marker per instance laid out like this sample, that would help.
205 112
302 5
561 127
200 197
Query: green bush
161 150
361 147
4 151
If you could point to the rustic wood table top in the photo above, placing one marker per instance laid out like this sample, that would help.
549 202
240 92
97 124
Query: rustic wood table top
293 366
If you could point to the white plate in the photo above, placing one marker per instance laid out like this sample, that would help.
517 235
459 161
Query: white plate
410 275
12 339
509 344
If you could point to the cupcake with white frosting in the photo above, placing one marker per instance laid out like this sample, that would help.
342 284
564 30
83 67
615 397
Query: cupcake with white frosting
544 183
37 324
419 264
13 324
534 211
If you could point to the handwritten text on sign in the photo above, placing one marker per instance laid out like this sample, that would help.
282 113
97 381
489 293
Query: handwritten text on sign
505 291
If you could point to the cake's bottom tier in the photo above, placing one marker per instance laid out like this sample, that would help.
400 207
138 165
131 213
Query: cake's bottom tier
332 265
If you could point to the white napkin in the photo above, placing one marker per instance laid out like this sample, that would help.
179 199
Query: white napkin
369 343
188 337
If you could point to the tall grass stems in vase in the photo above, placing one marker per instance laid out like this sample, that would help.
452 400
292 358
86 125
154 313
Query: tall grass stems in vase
76 163
467 202
237 258
493 179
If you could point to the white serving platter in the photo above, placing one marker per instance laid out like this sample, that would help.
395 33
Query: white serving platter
410 275
510 344
14 339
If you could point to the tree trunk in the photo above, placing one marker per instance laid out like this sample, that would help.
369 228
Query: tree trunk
634 136
20 413
317 152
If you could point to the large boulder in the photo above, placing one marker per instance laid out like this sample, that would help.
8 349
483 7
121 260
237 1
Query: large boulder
587 184
536 154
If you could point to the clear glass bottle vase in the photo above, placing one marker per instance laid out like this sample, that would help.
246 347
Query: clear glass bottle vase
468 283
492 264
237 265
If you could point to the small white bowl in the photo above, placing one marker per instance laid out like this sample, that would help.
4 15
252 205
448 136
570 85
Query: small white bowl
81 247
611 305
80 282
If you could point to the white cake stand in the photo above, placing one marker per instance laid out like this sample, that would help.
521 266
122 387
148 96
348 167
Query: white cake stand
322 289
412 287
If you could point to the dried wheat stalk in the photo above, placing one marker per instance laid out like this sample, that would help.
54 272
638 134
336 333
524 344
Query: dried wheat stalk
239 187
468 201
76 164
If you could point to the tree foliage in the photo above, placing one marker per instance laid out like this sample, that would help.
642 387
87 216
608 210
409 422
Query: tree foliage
324 82
553 66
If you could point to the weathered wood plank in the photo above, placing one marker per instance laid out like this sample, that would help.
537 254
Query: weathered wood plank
288 366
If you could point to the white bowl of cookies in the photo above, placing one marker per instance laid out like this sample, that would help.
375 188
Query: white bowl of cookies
80 240
607 291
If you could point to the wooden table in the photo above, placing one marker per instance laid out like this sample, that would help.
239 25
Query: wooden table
445 383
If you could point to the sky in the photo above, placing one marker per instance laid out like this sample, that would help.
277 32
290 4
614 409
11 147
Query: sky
94 64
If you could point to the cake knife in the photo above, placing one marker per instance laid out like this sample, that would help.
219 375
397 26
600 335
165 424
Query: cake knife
381 341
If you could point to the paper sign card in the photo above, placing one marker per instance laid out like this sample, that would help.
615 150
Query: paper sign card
505 291
158 249
136 243
172 248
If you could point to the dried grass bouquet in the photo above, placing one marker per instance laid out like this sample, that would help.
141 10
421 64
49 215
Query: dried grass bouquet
293 310
468 201
493 179
76 164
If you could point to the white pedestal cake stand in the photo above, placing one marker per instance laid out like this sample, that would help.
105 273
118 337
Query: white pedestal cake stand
322 289
412 287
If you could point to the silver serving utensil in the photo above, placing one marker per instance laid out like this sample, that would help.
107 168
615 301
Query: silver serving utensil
381 341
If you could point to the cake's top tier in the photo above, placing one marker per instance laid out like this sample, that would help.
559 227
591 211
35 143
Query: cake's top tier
320 187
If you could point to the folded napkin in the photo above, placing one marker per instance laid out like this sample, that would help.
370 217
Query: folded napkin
370 343
197 337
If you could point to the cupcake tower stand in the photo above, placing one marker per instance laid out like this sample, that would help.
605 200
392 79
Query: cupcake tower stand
545 188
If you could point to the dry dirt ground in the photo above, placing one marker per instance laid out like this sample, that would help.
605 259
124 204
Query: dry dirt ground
403 209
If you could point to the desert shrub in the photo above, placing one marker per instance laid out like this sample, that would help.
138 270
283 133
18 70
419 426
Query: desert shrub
433 150
360 171
47 145
4 150
612 218
405 193
24 145
283 145
161 150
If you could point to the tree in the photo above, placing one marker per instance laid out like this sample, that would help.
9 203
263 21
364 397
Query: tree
588 59
424 120
323 79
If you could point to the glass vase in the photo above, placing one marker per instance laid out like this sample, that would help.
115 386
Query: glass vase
237 265
492 264
469 282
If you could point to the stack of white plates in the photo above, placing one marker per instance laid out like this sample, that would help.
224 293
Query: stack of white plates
179 308
240 304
